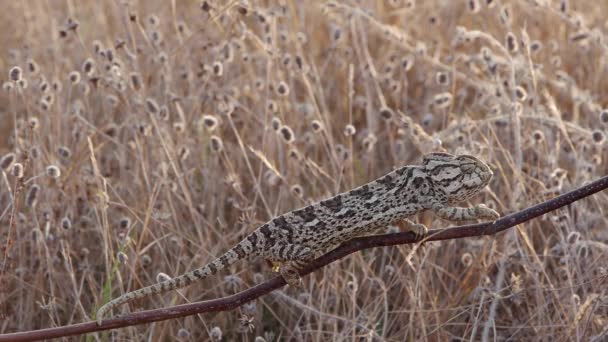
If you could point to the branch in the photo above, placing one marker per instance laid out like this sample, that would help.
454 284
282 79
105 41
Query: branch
236 300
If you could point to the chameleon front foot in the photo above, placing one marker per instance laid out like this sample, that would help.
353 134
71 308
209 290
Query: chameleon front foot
291 276
418 229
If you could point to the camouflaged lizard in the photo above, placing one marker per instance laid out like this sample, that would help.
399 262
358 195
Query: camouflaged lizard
297 237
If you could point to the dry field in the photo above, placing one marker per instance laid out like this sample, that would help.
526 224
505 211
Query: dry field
140 139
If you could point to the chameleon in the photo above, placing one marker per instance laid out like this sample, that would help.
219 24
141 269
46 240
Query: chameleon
295 238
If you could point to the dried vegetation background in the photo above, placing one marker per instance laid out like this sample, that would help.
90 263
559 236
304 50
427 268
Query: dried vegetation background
139 139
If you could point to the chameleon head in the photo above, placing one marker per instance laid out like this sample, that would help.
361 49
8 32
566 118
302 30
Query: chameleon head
459 177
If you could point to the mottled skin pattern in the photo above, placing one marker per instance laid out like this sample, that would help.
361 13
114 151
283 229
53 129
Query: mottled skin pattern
297 237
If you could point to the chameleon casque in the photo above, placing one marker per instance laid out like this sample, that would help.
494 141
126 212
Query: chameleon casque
297 237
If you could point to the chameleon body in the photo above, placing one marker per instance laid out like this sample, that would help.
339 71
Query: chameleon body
297 237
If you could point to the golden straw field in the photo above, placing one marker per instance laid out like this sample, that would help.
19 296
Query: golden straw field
139 140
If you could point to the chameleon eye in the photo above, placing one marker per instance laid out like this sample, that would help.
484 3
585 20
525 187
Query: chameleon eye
468 167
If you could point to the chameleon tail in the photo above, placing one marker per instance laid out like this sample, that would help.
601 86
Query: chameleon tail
231 256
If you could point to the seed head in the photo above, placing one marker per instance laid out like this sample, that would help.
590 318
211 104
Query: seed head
598 137
152 106
316 126
210 122
15 74
183 153
294 154
216 334
17 170
153 20
53 171
473 6
511 42
7 161
604 116
349 130
22 84
216 143
123 258
297 190
34 152
31 197
466 259
32 66
160 277
218 68
124 223
386 113
536 46
146 260
538 136
275 123
183 334
88 66
163 113
369 142
282 89
56 85
135 81
521 94
64 152
442 100
66 223
441 78
287 134
407 63
7 86
179 126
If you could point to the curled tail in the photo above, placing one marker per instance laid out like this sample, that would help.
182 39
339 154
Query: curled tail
238 252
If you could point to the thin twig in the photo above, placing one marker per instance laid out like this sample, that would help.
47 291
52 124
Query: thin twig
236 300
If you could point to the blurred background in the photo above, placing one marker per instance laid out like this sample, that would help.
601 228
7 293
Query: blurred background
141 139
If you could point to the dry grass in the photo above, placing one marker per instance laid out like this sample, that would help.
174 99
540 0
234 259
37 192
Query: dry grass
153 136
